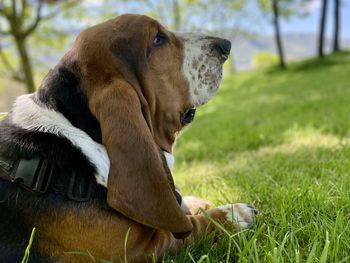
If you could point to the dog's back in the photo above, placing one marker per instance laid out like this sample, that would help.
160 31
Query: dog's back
20 209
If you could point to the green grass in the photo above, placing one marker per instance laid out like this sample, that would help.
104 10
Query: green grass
27 251
280 141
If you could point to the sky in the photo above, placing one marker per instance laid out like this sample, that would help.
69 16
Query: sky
296 24
310 23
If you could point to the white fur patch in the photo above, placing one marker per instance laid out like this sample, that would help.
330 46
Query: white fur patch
184 206
201 66
30 116
170 160
241 214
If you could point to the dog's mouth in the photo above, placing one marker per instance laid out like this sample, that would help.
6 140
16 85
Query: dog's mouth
209 83
216 77
224 57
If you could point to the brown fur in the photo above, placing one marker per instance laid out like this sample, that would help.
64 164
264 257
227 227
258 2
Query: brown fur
128 87
104 233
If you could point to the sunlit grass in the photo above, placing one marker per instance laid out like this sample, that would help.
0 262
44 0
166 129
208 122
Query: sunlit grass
278 140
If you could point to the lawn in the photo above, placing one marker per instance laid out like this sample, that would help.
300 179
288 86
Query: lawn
279 140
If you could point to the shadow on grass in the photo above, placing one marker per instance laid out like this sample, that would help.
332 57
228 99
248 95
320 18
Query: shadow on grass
314 64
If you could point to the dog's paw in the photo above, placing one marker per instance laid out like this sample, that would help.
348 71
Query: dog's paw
240 214
196 204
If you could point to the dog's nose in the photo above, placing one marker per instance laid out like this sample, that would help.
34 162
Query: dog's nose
224 46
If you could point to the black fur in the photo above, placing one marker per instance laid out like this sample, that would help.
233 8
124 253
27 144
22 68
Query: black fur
20 208
61 90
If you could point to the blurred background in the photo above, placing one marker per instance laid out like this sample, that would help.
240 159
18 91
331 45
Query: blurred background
34 34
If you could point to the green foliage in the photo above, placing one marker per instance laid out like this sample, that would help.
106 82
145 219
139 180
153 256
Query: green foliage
264 59
19 22
287 8
193 14
229 65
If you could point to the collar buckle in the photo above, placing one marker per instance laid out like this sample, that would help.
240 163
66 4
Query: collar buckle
79 188
34 175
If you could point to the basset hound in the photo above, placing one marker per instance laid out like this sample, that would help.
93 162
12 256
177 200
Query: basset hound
87 158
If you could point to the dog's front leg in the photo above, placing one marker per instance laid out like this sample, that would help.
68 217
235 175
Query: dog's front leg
234 216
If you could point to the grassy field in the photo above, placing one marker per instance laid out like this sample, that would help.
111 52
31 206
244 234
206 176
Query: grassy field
280 141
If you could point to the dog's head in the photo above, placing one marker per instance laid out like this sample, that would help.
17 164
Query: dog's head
142 84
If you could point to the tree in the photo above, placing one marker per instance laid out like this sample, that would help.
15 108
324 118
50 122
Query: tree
22 18
282 9
275 9
337 4
322 28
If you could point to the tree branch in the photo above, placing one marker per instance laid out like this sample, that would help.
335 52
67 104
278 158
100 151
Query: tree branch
5 33
24 6
14 8
36 21
8 67
22 13
3 10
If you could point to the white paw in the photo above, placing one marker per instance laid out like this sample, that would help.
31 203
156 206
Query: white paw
241 214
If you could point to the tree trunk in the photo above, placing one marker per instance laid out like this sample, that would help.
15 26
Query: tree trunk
25 64
336 25
322 28
275 10
177 15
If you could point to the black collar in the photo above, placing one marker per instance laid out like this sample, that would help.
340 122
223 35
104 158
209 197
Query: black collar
40 176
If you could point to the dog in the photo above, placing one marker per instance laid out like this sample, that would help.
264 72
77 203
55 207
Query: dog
87 158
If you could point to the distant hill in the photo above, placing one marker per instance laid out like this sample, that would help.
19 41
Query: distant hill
297 46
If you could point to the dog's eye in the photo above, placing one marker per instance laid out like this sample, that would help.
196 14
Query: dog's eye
159 39
188 116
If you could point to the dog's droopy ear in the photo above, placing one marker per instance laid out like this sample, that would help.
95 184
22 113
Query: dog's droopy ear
138 185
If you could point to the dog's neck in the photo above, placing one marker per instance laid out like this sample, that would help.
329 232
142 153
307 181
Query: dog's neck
31 114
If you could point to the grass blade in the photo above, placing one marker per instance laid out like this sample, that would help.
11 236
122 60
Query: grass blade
249 244
312 253
27 251
323 258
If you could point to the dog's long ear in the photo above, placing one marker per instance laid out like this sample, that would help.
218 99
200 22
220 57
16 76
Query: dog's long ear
138 185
